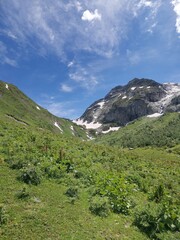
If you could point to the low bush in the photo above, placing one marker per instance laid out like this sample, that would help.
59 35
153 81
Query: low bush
100 206
31 175
23 194
158 194
72 192
157 219
3 215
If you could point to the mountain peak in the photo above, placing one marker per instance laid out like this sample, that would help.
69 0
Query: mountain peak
143 82
123 104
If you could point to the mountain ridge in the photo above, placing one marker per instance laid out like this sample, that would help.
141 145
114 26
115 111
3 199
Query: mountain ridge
16 106
123 104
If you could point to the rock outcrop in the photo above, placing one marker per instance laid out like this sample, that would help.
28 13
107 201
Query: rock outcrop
123 104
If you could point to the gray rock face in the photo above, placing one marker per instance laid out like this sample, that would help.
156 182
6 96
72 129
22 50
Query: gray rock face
140 97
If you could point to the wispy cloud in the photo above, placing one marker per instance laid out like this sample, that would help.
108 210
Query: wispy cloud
68 28
83 76
66 88
62 109
58 107
54 27
4 56
176 4
144 54
91 16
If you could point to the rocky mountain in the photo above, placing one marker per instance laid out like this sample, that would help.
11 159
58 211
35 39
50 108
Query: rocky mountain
123 104
16 107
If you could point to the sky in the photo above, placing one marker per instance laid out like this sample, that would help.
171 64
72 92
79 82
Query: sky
66 54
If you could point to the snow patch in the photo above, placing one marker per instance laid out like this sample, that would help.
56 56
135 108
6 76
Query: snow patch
133 88
90 138
172 90
141 87
57 125
101 104
7 87
111 129
38 108
124 97
172 87
148 87
154 115
72 129
91 125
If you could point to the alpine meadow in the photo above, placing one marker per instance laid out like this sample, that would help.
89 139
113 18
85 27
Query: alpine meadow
89 120
57 184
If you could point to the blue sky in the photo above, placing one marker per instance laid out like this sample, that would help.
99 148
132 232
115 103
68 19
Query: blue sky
67 54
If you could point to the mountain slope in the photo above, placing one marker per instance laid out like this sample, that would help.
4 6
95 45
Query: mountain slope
157 132
16 106
53 186
123 104
58 187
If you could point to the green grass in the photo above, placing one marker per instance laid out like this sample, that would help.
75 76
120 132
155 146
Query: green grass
64 162
17 107
55 186
53 216
157 132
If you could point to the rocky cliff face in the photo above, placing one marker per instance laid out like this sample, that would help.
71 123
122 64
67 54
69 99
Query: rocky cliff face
123 104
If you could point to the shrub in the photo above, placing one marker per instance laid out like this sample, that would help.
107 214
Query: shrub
157 219
116 189
55 171
31 175
3 215
78 174
23 194
100 206
16 162
72 192
158 194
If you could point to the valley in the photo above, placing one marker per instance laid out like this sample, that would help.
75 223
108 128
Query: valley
56 183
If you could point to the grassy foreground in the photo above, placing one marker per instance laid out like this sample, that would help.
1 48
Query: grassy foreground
57 187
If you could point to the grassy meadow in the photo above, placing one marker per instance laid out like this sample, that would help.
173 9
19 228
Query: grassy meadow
54 186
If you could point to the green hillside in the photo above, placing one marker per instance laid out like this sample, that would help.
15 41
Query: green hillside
157 132
54 185
58 187
16 106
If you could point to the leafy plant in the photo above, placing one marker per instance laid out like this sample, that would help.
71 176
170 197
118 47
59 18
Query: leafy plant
116 189
3 215
100 206
155 219
72 192
158 194
31 175
23 194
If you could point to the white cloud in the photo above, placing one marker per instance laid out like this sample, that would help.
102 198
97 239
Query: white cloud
144 54
176 4
58 28
145 3
78 6
4 56
70 64
61 109
58 108
90 16
66 88
10 62
83 76
133 57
